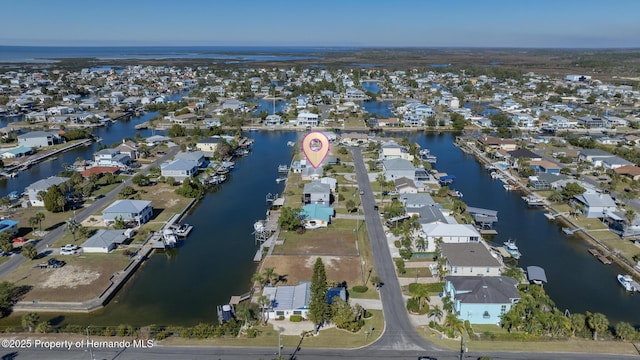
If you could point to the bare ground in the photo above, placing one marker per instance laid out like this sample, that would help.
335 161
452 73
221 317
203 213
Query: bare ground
298 268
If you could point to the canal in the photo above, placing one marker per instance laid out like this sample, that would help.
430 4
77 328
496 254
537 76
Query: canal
577 280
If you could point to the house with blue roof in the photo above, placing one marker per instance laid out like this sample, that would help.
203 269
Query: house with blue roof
138 211
17 152
317 215
9 225
287 300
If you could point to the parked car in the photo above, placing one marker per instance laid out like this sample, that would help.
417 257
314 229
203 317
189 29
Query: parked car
361 192
69 247
68 252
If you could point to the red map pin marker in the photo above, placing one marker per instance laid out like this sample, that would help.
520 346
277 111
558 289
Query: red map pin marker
315 147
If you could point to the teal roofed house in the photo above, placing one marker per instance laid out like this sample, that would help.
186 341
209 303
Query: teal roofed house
317 215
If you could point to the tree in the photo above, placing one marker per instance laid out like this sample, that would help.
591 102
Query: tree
515 273
126 191
556 196
458 121
578 323
265 303
598 323
5 242
625 331
40 216
258 278
72 226
29 251
436 313
30 320
420 293
453 325
54 199
290 219
33 222
140 180
269 276
630 215
318 307
350 205
572 189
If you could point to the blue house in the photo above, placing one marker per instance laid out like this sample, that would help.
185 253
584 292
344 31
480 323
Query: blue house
482 299
9 225
317 215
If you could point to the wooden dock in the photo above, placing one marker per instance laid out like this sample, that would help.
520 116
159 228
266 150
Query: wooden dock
602 257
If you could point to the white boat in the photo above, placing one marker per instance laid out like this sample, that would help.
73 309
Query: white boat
169 238
533 200
512 249
258 226
291 143
281 179
627 282
183 230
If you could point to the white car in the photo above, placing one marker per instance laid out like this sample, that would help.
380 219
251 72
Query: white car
69 247
67 252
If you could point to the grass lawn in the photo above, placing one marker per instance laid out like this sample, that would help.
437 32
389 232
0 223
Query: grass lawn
419 272
268 337
573 345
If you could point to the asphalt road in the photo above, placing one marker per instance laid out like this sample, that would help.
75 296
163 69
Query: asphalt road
399 333
43 245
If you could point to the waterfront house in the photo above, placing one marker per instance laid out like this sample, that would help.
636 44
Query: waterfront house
111 157
38 139
10 226
596 205
397 168
287 300
273 120
210 123
316 192
98 170
128 147
42 186
449 233
17 152
615 162
157 139
209 145
307 118
197 156
138 211
317 215
333 183
592 122
470 259
392 150
495 143
482 299
428 214
179 169
103 241
620 225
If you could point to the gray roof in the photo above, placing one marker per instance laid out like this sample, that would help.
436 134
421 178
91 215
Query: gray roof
180 164
108 152
316 187
616 160
597 200
127 206
594 152
468 254
421 199
44 184
37 134
211 140
190 155
474 210
105 238
158 138
536 273
484 289
397 164
550 178
427 214
289 297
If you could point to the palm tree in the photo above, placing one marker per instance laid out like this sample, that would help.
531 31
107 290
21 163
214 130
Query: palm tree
436 313
33 221
72 226
515 273
556 196
269 275
624 330
264 303
630 215
40 216
578 322
420 293
598 323
244 313
454 325
258 278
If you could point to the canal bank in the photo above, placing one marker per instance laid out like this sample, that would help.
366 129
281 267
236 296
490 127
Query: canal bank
578 282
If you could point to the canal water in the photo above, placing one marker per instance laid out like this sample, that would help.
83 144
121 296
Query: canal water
577 280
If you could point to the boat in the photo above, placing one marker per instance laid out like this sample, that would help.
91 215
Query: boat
512 249
533 200
258 226
291 143
627 282
225 313
169 238
281 179
183 230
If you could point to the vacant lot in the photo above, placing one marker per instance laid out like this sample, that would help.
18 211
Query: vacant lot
296 268
327 241
87 276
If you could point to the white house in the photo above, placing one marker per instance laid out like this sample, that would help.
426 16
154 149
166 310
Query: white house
449 233
287 300
307 118
103 241
596 205
42 186
470 259
111 157
179 169
138 211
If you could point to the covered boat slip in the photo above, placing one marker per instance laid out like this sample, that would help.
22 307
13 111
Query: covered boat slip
536 275
484 218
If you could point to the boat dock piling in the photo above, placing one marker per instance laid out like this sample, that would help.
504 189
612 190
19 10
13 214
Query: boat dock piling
604 258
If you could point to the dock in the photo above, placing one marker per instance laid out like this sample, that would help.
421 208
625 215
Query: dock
600 256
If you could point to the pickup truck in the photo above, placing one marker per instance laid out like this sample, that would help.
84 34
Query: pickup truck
51 263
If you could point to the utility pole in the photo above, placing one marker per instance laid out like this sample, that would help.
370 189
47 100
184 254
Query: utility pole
280 330
89 344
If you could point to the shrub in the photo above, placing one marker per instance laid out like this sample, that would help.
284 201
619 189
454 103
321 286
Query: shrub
397 244
281 317
295 318
359 288
400 266
252 333
414 307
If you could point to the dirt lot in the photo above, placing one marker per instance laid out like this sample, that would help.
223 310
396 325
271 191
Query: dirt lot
86 275
320 241
300 268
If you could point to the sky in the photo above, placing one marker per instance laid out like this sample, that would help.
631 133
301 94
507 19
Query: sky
351 23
